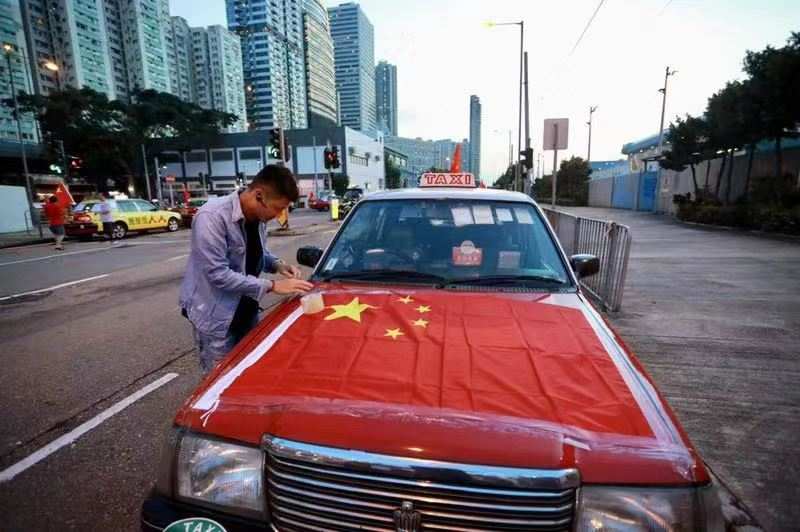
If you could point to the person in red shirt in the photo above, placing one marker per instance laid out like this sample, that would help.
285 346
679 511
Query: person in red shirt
55 215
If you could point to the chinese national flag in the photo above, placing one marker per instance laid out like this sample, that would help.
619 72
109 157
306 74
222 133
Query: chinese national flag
63 195
455 166
186 195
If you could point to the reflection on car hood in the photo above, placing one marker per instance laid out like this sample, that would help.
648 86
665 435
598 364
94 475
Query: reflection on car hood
528 380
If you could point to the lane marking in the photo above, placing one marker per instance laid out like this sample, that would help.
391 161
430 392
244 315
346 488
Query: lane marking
211 396
55 255
179 257
56 287
31 460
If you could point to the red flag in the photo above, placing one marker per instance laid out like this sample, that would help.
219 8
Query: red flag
455 166
63 195
186 195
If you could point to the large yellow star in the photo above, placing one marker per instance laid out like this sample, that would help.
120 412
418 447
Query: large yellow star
422 309
420 323
406 300
394 333
351 310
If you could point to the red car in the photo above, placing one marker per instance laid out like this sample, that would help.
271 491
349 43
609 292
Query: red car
188 210
456 378
321 202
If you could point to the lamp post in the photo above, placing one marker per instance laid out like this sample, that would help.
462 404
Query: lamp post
8 48
663 91
521 25
592 109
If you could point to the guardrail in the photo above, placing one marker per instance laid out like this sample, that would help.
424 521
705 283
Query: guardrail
609 241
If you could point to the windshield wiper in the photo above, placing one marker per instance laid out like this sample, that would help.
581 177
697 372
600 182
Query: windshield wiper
386 275
505 279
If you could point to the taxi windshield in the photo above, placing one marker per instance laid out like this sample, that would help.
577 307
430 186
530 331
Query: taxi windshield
446 242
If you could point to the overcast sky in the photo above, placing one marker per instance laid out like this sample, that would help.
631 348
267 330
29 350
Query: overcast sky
444 53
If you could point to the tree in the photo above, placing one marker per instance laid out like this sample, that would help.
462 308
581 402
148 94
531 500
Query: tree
506 180
774 81
573 180
393 176
340 184
687 138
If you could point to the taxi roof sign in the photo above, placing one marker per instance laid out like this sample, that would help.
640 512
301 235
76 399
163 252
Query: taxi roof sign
441 179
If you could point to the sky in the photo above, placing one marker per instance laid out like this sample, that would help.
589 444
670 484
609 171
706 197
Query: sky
444 53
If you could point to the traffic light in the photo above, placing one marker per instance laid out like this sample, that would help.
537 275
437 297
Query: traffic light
75 163
335 157
276 143
527 159
328 158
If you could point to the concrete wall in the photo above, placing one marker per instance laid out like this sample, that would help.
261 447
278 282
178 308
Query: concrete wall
600 192
629 191
13 209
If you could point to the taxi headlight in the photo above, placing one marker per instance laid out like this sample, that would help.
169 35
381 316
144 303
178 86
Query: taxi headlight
219 473
622 509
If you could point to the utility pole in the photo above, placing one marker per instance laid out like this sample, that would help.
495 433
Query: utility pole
8 48
592 109
663 92
147 174
527 120
316 185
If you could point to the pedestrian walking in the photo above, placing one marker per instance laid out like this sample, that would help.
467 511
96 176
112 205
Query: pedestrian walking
106 218
55 213
221 289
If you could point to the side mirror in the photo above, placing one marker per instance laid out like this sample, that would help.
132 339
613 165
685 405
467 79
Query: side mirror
583 264
309 256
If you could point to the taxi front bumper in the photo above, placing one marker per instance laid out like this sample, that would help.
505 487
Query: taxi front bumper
158 512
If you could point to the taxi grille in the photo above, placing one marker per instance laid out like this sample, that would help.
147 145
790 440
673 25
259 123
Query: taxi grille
312 491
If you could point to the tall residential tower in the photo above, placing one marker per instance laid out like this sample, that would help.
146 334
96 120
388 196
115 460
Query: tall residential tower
320 70
475 135
354 54
386 98
273 62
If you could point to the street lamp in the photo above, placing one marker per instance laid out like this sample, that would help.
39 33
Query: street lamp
8 49
663 91
521 25
592 109
53 67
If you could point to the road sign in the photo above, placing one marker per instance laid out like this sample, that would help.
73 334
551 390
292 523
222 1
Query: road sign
169 178
434 179
555 133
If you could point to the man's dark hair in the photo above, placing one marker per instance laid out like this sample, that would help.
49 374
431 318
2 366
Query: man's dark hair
53 199
279 180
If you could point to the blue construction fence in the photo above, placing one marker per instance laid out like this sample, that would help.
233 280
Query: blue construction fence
630 191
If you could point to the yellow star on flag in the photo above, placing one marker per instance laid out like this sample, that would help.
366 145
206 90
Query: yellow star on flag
393 333
422 309
420 323
351 310
406 300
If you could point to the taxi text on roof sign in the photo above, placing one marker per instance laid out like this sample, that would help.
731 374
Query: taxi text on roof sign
435 179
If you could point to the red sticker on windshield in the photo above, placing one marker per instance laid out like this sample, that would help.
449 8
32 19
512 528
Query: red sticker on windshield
467 254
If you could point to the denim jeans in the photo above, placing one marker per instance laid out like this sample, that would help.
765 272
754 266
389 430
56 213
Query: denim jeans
212 349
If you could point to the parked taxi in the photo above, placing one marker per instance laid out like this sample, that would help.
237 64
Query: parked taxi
129 215
456 378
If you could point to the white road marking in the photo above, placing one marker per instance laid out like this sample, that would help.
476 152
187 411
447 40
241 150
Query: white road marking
56 287
53 256
179 257
31 460
209 399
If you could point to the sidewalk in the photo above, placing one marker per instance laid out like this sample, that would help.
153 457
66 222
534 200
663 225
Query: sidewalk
715 318
24 238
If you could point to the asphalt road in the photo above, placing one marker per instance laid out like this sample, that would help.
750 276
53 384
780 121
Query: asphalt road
70 353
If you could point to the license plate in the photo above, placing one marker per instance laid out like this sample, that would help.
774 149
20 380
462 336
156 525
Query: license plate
82 226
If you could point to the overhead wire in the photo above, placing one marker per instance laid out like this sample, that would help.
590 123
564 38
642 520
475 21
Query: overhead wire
587 26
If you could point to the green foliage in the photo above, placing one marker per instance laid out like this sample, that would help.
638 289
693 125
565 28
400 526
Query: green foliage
392 173
107 135
340 184
572 185
772 218
506 180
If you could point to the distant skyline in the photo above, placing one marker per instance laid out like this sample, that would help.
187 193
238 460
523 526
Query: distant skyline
618 66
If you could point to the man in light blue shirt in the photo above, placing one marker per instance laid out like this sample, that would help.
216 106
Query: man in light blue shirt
222 287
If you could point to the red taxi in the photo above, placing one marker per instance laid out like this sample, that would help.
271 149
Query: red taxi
456 378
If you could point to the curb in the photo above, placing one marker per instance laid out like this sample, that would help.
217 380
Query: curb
751 232
26 243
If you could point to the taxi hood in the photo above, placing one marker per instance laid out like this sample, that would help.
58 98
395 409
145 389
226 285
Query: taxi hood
522 379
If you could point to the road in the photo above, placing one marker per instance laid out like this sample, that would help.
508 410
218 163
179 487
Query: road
71 353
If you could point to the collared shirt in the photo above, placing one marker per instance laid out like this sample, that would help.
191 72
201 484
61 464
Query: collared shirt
216 277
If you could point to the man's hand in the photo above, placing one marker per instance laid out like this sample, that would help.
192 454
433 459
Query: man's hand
291 286
288 271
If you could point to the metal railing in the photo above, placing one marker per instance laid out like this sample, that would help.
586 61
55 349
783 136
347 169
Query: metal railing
609 241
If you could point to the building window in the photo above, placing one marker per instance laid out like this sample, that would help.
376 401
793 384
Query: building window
250 155
196 157
219 156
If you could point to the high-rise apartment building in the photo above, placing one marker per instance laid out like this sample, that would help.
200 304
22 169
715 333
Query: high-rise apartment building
475 135
354 56
386 98
72 37
219 80
273 61
16 79
180 59
320 70
144 25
